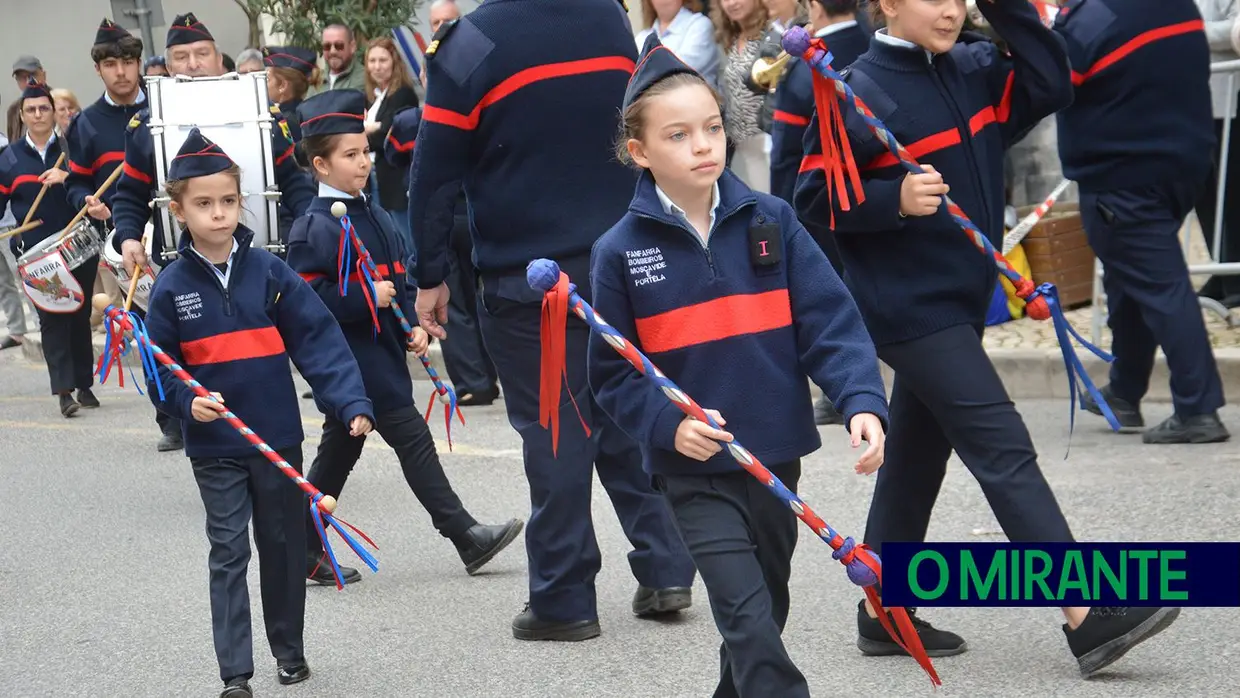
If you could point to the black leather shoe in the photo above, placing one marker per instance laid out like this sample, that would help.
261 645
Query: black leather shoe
478 399
656 602
237 688
68 406
1126 413
288 674
481 543
170 442
873 640
323 575
1108 633
825 414
87 399
1197 429
528 626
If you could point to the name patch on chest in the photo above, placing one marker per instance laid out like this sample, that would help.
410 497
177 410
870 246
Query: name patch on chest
189 306
765 244
646 266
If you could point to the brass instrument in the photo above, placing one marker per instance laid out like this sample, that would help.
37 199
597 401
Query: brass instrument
766 72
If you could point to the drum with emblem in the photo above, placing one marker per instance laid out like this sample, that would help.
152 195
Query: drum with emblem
233 111
114 263
47 268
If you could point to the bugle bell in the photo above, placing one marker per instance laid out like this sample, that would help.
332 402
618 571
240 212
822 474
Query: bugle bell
766 72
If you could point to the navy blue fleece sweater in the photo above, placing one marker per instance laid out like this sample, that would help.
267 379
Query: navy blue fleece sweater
237 340
20 167
737 330
1142 111
959 112
96 139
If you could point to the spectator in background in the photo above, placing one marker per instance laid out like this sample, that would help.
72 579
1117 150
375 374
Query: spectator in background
443 11
739 25
66 107
10 295
24 68
388 90
1220 17
250 61
686 31
340 54
155 66
230 66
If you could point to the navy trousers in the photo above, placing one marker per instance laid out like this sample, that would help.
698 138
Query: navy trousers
168 425
234 490
469 365
563 554
1150 300
741 538
67 346
947 395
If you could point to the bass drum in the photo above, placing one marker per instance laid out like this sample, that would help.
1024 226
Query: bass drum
112 260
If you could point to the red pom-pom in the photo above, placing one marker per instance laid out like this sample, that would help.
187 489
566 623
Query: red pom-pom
1038 309
1024 288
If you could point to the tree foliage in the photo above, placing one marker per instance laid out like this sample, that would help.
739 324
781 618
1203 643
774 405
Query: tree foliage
302 21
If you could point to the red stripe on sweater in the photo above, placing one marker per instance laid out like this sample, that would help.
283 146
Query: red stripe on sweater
790 118
1137 42
525 78
730 316
401 147
110 156
131 171
18 181
385 272
287 154
233 346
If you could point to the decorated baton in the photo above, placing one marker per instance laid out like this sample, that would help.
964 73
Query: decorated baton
863 565
1041 302
322 506
1017 234
368 272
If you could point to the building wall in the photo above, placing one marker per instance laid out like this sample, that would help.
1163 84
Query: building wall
60 34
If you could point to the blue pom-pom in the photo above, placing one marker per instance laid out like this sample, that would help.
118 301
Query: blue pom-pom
795 41
542 274
860 574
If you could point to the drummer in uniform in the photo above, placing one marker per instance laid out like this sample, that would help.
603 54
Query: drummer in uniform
25 167
191 51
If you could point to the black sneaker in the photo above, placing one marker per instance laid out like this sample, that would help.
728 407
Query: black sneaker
87 399
1198 429
824 412
527 626
170 442
873 640
237 688
1109 632
68 406
1127 414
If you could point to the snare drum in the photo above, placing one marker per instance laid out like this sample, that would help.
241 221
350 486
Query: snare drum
114 264
233 111
47 268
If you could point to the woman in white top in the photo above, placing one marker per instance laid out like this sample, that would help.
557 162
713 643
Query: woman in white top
389 89
686 31
739 26
1220 18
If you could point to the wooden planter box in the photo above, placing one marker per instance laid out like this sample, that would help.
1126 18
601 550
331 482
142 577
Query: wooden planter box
1059 254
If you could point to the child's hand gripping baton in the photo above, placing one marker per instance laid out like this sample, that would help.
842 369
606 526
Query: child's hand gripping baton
322 506
1041 302
445 393
863 566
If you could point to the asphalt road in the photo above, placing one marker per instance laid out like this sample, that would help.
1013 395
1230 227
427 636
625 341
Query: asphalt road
103 585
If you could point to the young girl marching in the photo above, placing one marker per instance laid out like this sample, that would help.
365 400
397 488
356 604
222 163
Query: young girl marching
329 258
233 316
740 306
923 287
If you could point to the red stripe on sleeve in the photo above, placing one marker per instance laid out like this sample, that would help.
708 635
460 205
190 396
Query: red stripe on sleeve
1137 42
730 316
131 171
790 118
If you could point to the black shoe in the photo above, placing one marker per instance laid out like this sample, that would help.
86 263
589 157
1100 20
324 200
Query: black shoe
87 399
10 342
1127 414
288 674
323 574
481 543
1109 632
478 399
68 406
1198 429
527 626
237 688
873 640
170 442
655 602
824 412
308 395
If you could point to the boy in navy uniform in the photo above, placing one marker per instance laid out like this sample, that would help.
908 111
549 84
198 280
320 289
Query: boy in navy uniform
191 51
1138 140
234 316
521 106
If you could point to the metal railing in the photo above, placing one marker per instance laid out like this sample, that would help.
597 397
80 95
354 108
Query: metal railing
1215 241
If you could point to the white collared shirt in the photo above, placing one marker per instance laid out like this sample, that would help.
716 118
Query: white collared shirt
222 275
41 151
691 36
837 27
890 40
330 192
108 98
671 209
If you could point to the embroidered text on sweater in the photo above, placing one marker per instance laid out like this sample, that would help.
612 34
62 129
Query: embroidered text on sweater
738 323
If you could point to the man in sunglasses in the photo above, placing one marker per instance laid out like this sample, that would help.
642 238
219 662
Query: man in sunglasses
339 53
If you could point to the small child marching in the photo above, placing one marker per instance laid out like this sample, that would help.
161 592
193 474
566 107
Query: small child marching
234 316
335 146
739 307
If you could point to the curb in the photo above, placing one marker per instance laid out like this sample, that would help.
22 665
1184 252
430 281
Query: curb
1029 374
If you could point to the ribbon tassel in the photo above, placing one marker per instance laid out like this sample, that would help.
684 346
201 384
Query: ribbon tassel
837 156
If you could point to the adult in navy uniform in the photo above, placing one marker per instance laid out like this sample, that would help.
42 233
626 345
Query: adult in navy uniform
836 21
1138 140
521 107
25 166
191 51
286 64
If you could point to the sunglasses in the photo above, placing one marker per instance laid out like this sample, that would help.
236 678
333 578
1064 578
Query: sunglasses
328 46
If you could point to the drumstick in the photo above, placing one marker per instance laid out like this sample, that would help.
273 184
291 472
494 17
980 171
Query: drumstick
116 173
21 229
38 199
133 283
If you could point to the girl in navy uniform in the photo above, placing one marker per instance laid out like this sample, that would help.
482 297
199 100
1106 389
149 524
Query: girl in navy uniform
25 166
924 288
291 72
335 146
725 291
234 316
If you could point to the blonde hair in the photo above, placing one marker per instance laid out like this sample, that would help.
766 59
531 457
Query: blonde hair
633 118
62 96
728 32
649 15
